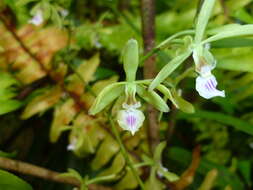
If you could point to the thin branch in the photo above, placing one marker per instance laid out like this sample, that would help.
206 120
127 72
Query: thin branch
148 32
29 169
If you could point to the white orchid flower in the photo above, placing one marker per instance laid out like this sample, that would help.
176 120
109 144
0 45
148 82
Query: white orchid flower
64 12
130 118
37 19
206 82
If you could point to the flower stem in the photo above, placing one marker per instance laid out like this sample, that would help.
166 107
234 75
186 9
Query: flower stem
125 154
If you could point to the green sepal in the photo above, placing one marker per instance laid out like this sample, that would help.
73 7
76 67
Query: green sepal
169 68
232 31
106 96
158 152
203 17
170 176
181 103
152 98
131 59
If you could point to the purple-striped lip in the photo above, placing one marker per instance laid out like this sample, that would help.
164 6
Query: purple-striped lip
131 120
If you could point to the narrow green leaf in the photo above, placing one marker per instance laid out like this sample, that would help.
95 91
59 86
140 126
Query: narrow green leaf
204 15
6 80
232 43
152 98
106 96
239 30
9 181
238 124
131 59
168 69
243 15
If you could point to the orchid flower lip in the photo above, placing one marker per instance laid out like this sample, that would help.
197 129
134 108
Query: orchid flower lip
206 87
130 118
37 19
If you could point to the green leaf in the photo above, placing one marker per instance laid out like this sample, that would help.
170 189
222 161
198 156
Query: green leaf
131 59
203 17
168 69
9 181
244 16
232 43
235 31
9 105
106 96
228 120
245 169
6 94
8 155
152 98
229 59
6 80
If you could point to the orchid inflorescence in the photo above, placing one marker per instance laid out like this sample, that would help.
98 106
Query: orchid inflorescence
130 117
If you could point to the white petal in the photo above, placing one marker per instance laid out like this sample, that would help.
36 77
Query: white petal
72 145
206 87
64 12
130 119
37 19
159 173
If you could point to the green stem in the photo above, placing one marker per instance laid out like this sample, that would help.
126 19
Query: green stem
125 154
99 179
164 43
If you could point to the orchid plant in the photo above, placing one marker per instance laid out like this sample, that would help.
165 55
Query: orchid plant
130 117
199 48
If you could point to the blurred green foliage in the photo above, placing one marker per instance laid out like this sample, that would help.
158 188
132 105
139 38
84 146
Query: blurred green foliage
45 93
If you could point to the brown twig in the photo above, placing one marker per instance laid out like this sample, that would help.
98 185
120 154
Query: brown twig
148 32
29 169
188 176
